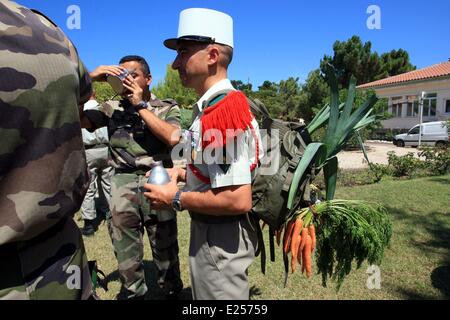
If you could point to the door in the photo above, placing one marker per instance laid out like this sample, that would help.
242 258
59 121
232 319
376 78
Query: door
412 138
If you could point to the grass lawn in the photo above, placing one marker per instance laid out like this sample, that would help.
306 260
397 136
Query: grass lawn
416 266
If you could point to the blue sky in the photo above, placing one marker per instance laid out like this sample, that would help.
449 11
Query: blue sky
273 39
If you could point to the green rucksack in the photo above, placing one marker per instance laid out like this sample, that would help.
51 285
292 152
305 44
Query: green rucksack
278 195
278 191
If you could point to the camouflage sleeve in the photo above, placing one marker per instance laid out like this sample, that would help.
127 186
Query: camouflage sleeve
85 83
173 116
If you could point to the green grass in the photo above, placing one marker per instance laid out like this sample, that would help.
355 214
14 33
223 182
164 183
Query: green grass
416 266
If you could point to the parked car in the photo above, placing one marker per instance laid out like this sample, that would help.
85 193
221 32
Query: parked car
433 134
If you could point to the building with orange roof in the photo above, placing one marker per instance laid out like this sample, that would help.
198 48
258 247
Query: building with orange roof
404 92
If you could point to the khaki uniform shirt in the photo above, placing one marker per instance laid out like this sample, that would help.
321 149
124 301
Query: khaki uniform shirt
238 161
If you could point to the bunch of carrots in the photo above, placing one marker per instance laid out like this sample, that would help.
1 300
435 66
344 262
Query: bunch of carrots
300 240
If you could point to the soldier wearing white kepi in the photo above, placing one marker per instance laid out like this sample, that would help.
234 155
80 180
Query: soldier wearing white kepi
217 195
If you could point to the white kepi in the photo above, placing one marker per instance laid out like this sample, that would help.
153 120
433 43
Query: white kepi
203 25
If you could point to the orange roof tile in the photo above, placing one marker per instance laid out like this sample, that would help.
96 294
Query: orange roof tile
435 71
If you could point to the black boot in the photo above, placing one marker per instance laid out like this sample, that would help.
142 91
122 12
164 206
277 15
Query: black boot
88 229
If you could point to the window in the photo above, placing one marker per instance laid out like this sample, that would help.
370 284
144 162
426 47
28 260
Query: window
447 106
429 105
397 110
412 109
414 130
396 106
433 107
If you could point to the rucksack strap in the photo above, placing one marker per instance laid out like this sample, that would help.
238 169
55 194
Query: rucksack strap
272 244
260 250
259 108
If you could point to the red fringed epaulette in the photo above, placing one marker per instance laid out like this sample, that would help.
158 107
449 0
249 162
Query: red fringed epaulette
232 113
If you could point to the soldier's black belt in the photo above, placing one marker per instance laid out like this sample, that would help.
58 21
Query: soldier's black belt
215 219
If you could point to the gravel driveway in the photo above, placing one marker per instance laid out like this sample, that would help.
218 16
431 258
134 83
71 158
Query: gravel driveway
376 151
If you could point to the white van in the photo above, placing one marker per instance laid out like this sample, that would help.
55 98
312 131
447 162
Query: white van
433 134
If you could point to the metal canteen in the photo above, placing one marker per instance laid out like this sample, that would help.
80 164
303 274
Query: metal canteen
158 174
116 82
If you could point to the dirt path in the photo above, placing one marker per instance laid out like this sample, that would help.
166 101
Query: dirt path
376 151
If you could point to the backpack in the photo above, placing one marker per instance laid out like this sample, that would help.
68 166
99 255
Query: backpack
270 193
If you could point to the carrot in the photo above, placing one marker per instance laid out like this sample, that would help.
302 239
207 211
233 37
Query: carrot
299 251
304 236
287 236
307 253
303 260
312 232
294 255
301 248
294 243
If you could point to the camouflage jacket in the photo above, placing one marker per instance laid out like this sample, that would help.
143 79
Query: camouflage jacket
133 147
43 176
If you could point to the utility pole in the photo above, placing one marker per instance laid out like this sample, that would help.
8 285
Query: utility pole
422 97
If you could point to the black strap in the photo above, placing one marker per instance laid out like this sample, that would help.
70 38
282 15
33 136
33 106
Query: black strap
261 248
272 244
205 218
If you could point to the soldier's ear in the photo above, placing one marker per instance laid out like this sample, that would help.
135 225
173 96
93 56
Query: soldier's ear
148 79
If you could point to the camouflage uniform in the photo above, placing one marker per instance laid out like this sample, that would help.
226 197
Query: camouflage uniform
43 174
133 148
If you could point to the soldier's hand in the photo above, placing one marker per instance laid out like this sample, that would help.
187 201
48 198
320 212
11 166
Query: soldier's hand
99 74
176 174
160 197
135 92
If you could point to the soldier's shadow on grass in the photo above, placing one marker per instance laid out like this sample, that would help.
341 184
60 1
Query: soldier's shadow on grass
441 180
434 225
154 291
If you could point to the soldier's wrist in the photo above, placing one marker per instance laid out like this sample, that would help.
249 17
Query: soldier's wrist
141 105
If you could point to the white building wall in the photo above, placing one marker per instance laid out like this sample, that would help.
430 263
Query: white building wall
440 87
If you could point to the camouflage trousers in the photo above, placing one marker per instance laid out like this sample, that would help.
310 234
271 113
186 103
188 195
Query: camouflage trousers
130 216
51 266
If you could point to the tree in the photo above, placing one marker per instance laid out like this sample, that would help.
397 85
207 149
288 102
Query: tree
289 97
103 92
352 57
394 63
171 87
268 94
313 94
245 88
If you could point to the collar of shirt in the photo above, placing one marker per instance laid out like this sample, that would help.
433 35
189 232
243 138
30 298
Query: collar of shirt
221 85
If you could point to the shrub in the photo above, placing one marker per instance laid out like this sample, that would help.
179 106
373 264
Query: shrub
379 170
403 166
437 160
